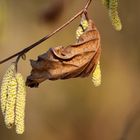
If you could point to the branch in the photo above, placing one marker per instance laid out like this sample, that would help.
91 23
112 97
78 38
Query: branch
24 51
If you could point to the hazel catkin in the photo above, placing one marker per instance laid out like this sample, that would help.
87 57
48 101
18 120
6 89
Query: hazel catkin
20 104
81 28
13 95
113 14
96 77
10 103
112 6
4 87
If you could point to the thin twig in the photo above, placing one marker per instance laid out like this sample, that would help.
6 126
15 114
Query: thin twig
20 53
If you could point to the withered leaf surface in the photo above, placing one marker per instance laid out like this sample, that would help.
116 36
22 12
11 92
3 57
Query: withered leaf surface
73 61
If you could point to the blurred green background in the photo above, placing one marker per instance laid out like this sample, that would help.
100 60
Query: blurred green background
74 109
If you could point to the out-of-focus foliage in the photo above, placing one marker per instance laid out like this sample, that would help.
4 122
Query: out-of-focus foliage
52 11
2 17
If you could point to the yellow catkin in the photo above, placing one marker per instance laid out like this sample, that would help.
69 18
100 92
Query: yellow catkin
20 104
10 103
96 77
113 14
80 30
4 87
84 24
106 3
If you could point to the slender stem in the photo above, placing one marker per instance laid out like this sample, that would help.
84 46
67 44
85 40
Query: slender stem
20 53
87 5
16 62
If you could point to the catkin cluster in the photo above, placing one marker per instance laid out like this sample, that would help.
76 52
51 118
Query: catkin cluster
112 6
13 95
96 77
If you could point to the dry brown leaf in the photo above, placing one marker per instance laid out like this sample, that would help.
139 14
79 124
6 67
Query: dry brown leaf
73 61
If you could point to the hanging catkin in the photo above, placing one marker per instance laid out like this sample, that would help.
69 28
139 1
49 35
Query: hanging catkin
113 13
4 87
112 6
10 103
20 104
96 77
81 28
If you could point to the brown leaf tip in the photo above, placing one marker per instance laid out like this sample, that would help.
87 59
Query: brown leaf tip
31 83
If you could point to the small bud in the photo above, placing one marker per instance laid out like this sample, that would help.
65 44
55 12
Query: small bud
23 56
